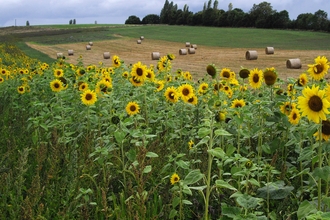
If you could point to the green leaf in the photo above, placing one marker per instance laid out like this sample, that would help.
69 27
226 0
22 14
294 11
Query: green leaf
217 152
173 213
151 154
222 132
119 136
187 202
323 173
200 188
247 201
203 141
44 127
223 184
183 164
305 209
186 190
275 190
175 202
193 177
202 132
230 211
147 169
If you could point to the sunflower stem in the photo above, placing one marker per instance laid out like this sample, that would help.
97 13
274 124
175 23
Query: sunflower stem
319 181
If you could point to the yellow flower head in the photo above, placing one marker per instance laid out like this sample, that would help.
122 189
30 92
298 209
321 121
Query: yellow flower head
325 131
294 116
132 108
256 78
58 73
319 68
56 85
174 178
238 103
88 97
171 94
313 104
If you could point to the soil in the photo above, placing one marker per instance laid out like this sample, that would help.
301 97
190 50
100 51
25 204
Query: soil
234 58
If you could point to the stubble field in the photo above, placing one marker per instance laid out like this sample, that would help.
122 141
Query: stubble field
131 52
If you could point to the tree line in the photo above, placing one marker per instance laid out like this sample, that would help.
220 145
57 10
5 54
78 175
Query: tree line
261 15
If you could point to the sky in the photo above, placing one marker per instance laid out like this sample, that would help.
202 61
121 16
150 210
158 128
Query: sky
38 12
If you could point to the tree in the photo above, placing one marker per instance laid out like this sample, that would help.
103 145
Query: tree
151 19
168 13
133 20
27 23
305 21
320 20
230 7
74 21
280 19
260 14
70 22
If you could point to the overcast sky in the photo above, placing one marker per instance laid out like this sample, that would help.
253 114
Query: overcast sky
117 11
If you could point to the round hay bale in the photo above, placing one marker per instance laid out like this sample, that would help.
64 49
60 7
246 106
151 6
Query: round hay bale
138 41
142 38
251 55
191 50
293 63
90 43
187 44
183 51
70 52
155 55
194 46
88 47
106 55
59 55
269 50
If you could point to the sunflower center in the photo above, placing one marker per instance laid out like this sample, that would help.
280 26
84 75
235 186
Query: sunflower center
238 105
171 95
21 89
256 78
89 97
318 68
294 116
191 100
132 108
326 127
176 179
315 103
56 85
139 72
226 74
185 92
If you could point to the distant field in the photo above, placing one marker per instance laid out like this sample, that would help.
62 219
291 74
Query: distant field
224 47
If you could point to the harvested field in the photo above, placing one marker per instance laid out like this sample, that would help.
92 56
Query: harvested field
234 58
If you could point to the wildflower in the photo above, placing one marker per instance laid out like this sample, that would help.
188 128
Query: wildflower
270 76
319 68
256 78
211 70
175 178
56 85
294 116
171 94
325 131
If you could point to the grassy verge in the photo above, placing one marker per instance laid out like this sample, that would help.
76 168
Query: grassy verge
34 53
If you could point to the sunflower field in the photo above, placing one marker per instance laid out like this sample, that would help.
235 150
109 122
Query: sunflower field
150 142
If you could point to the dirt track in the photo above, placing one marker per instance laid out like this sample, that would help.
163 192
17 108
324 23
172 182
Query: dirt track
234 58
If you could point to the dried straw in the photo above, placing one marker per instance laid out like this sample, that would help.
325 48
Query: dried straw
155 55
251 55
293 63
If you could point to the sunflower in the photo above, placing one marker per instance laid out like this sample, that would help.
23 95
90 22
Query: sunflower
125 74
162 63
290 89
171 94
187 75
192 100
175 178
1 79
287 107
302 80
238 103
56 85
170 56
190 144
294 116
270 76
319 68
211 70
21 89
135 81
103 86
80 72
244 73
226 73
203 87
256 78
159 85
132 108
88 97
139 72
186 91
82 86
325 131
58 73
150 75
313 104
116 61
220 116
